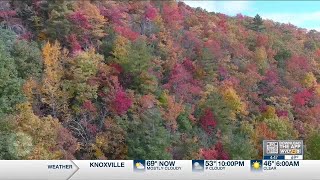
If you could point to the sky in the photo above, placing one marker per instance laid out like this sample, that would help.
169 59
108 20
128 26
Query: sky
304 14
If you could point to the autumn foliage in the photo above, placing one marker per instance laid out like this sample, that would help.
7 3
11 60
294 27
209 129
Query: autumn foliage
152 80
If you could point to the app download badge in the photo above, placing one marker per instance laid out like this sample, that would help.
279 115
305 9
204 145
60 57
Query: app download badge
197 165
139 165
256 165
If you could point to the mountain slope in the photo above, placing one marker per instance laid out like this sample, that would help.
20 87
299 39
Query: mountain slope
152 80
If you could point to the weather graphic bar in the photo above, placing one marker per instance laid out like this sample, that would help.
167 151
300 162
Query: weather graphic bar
159 169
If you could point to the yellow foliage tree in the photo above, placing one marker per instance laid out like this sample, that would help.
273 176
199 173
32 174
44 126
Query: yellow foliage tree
171 111
41 131
52 95
261 57
233 101
96 20
309 80
269 113
110 144
317 90
166 44
29 87
121 49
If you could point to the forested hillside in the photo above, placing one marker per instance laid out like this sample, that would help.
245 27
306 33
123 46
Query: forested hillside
152 80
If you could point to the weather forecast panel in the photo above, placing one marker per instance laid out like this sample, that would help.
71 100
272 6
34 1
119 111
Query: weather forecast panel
281 159
159 169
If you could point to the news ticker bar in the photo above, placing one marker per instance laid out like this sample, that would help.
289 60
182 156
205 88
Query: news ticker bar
159 169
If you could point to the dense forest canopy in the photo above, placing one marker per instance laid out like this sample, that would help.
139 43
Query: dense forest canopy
152 80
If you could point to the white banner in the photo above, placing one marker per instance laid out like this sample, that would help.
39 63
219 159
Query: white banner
160 169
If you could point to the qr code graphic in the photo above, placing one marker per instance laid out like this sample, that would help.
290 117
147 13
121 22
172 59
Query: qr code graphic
272 147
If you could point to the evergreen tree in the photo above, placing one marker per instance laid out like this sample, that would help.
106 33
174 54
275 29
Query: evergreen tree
148 139
257 24
136 56
58 25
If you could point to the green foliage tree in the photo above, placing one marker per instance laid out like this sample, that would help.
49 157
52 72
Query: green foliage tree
57 27
28 59
6 130
184 123
137 57
313 145
10 83
185 146
208 63
148 139
282 127
81 68
281 56
257 24
238 144
30 17
221 110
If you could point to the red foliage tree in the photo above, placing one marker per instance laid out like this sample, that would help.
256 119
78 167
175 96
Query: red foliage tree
282 113
182 83
240 17
271 77
223 73
127 32
240 50
301 98
115 12
192 43
188 64
121 103
66 143
209 153
298 65
208 121
317 53
262 40
222 24
223 155
171 15
117 68
112 92
89 106
80 20
215 152
214 47
7 13
90 128
74 43
82 27
150 13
